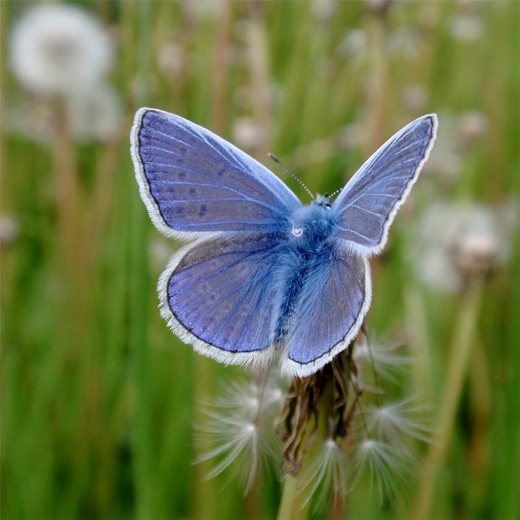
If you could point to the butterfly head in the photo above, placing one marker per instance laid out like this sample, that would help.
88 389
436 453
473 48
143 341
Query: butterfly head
322 200
313 223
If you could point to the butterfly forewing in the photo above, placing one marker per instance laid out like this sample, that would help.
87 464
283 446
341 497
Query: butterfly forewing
193 181
368 203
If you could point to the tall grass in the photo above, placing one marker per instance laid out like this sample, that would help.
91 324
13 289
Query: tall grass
99 399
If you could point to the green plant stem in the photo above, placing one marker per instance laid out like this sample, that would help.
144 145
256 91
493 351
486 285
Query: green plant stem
291 504
295 503
204 493
462 342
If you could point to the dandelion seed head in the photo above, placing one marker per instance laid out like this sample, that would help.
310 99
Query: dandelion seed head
473 125
247 133
59 48
415 97
467 27
457 241
171 59
9 229
354 43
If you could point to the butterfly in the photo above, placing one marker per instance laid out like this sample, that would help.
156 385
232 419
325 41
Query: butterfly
264 273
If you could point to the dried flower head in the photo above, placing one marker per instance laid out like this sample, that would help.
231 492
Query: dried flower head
59 49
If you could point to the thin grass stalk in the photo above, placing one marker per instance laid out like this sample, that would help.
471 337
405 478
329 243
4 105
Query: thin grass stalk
257 49
417 333
204 493
462 342
138 294
378 80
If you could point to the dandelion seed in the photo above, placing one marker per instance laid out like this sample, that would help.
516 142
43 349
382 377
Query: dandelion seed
398 421
59 49
386 466
378 359
327 473
239 432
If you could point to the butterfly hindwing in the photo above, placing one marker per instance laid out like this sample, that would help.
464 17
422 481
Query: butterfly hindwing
218 295
329 313
367 205
192 181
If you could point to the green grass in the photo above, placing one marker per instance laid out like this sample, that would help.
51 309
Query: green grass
99 398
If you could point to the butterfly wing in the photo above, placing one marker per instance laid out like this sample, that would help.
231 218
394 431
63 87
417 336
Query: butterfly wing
218 295
334 300
192 181
367 206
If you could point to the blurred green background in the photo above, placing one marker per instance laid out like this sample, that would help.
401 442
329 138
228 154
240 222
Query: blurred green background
98 397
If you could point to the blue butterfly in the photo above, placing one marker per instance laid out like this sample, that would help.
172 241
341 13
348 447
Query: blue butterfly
265 272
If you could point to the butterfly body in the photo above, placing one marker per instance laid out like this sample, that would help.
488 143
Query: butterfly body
265 272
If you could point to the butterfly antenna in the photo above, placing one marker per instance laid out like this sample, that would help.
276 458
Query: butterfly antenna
333 194
286 170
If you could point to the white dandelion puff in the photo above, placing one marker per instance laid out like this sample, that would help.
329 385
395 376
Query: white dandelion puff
59 48
457 241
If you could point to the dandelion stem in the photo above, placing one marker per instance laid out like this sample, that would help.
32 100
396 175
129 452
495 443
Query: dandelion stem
295 503
292 505
463 339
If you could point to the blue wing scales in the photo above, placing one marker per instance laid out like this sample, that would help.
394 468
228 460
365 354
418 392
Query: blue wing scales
219 295
329 313
192 181
367 206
